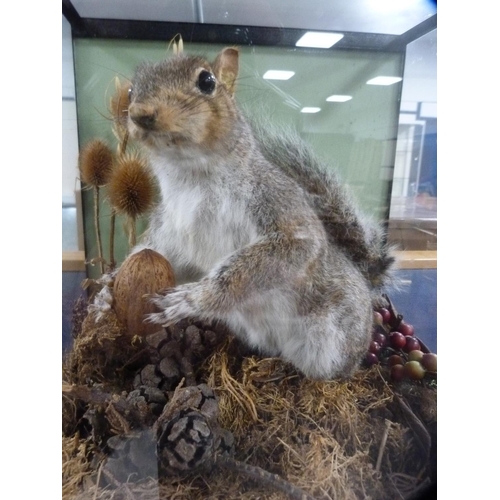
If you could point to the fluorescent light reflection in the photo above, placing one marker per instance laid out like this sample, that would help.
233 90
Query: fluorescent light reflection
274 74
384 80
310 110
319 40
339 98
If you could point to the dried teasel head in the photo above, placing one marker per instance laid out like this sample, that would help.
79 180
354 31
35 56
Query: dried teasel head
131 188
96 162
119 103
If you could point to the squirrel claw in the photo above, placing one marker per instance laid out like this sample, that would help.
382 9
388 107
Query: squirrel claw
159 319
102 303
174 306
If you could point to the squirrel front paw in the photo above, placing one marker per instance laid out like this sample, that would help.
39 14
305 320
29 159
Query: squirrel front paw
103 301
178 303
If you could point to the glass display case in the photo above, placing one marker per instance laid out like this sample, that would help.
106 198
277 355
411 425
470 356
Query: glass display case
380 137
355 80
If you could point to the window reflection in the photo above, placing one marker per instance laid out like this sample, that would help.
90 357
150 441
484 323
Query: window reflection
413 214
72 239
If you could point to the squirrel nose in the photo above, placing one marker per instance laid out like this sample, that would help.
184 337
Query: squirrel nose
142 115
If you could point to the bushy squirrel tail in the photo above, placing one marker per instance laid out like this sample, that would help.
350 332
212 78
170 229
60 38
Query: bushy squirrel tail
362 240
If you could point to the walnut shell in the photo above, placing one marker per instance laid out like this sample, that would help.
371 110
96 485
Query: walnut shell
145 272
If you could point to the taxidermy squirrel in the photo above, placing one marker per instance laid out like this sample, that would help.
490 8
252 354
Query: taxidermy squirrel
263 238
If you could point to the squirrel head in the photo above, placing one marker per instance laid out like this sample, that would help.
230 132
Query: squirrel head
184 101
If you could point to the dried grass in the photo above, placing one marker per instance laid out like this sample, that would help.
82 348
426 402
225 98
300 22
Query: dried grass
98 351
324 437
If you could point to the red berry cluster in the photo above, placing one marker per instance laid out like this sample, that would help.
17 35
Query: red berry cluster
394 345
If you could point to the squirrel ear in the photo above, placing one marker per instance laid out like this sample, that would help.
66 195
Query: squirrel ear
226 68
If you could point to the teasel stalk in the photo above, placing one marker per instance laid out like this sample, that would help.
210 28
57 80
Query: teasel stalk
112 225
118 106
131 190
95 163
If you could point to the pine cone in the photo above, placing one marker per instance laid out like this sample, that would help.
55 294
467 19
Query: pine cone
185 443
174 353
189 435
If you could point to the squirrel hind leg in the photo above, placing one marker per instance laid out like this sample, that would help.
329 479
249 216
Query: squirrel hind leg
325 349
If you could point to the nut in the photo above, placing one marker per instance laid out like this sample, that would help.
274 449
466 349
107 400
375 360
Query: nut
143 273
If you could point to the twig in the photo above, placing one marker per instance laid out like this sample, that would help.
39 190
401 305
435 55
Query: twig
97 226
132 232
112 262
415 423
382 445
259 474
122 147
417 426
86 394
169 409
94 395
98 480
118 484
403 484
289 448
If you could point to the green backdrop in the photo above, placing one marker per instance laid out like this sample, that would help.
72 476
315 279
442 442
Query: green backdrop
357 138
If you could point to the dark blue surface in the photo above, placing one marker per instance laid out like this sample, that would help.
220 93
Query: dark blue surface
416 301
71 290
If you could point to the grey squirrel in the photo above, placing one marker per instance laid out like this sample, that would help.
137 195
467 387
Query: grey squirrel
258 232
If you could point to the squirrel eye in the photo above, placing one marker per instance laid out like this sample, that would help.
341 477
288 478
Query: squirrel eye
206 82
130 92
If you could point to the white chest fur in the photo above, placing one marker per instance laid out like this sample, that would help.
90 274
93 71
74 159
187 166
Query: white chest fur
201 219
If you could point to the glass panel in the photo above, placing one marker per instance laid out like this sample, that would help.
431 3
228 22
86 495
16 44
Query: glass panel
413 214
356 137
369 16
72 239
152 10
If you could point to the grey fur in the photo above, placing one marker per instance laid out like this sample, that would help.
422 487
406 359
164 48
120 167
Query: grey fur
362 239
262 236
